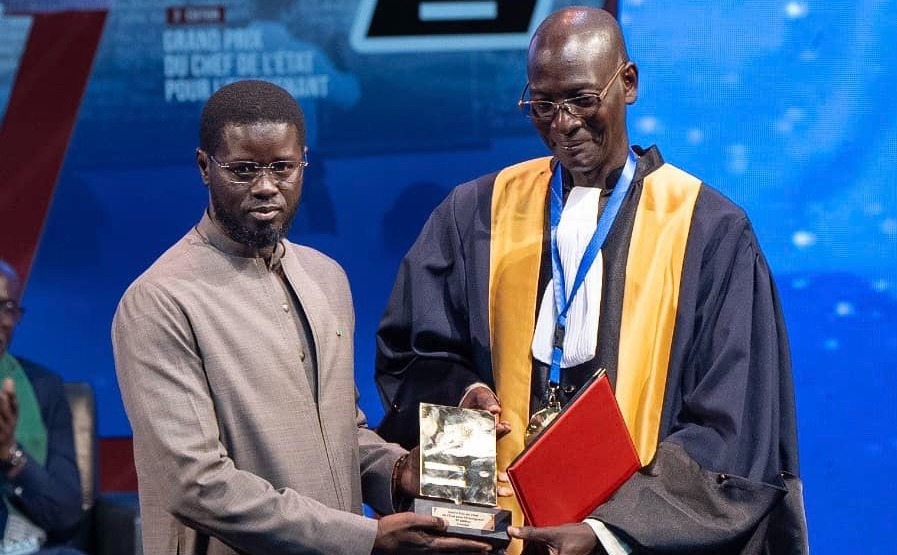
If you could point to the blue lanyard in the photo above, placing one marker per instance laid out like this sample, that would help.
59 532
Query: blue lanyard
562 302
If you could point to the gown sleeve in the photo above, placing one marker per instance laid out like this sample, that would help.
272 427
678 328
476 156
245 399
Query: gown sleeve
729 457
424 338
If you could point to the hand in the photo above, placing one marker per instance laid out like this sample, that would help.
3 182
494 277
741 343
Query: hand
481 397
567 539
408 474
9 416
408 477
504 485
414 533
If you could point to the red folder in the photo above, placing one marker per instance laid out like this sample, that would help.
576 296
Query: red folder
578 461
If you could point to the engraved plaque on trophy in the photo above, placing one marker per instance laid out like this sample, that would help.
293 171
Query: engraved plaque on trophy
458 473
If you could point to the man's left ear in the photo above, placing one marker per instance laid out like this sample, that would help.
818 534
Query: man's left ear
202 162
630 82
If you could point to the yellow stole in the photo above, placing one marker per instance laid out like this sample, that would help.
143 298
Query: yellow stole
650 299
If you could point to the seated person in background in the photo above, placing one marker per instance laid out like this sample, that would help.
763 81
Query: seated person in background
41 486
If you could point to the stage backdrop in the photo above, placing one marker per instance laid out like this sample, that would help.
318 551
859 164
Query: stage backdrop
786 106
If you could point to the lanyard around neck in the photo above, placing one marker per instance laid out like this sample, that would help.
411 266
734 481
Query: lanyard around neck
562 301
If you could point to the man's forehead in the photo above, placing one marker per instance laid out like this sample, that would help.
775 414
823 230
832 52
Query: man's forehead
574 49
570 69
265 131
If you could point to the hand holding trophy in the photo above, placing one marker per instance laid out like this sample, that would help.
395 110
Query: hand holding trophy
458 473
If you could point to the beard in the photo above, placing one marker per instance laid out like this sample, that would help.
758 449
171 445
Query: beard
267 235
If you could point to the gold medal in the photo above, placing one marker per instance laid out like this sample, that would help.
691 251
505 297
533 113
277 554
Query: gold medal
543 417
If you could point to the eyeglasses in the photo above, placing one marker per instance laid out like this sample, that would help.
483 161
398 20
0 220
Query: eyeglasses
580 106
247 171
11 311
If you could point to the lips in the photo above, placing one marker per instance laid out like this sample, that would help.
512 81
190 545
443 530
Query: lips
264 213
569 146
265 208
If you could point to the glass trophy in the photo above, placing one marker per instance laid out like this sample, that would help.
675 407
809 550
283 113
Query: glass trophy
458 473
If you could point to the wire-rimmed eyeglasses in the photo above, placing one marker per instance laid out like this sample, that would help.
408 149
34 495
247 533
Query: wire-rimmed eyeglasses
580 106
246 171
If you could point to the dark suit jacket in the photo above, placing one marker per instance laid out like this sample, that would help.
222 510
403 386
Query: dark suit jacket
49 495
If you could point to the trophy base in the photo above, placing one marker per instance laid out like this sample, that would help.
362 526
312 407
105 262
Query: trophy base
486 524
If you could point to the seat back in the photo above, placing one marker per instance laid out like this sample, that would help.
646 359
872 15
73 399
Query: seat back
84 424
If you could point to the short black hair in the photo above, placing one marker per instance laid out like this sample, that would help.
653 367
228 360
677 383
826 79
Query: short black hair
247 102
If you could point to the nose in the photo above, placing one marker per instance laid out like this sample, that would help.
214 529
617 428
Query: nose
563 121
264 184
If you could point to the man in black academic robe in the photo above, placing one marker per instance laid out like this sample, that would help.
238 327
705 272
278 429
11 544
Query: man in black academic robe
690 327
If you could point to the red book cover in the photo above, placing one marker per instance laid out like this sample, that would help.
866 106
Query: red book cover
577 462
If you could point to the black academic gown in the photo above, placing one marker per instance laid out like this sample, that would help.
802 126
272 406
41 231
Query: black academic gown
725 475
